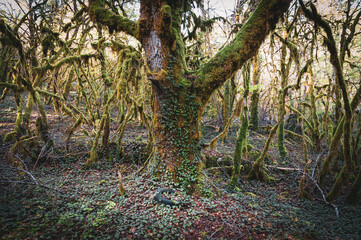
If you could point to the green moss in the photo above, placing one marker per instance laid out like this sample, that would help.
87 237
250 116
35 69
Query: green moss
179 47
13 40
248 147
256 171
28 110
355 189
281 142
242 134
18 116
115 22
166 11
332 153
10 137
340 181
254 119
241 139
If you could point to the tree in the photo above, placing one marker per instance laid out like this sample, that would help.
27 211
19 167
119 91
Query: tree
180 96
337 58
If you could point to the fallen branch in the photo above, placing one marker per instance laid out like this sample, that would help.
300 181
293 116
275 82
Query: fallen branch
323 195
284 168
317 159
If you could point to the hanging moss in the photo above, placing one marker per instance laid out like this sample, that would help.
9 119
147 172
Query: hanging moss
305 180
13 40
315 122
244 46
68 83
68 60
94 150
121 130
115 22
341 86
282 98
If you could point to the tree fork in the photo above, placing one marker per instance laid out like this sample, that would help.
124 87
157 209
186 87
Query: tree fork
180 98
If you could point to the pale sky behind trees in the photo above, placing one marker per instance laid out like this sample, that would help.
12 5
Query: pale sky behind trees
220 7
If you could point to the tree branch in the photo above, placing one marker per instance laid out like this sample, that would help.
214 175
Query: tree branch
115 22
244 46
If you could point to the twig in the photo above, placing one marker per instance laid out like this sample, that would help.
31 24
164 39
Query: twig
219 229
141 168
42 154
212 183
284 168
323 195
317 159
218 160
27 172
26 168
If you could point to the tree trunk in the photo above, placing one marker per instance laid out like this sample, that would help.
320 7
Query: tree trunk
180 97
176 123
254 119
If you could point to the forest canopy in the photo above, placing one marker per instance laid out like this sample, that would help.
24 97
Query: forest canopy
194 102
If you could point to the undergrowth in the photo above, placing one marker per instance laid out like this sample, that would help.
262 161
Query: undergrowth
87 205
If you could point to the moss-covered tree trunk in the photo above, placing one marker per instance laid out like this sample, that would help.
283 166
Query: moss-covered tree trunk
254 119
354 195
180 97
336 59
242 134
176 123
226 104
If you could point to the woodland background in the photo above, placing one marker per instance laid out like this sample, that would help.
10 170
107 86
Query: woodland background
280 143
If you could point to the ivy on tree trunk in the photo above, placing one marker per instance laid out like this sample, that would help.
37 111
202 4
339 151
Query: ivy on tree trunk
179 96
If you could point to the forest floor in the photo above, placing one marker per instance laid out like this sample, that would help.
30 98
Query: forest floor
70 202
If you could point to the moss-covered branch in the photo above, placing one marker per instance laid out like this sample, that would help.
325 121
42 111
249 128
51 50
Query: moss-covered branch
115 22
256 171
67 60
244 46
309 125
12 38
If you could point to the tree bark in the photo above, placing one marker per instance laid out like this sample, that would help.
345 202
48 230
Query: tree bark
180 97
